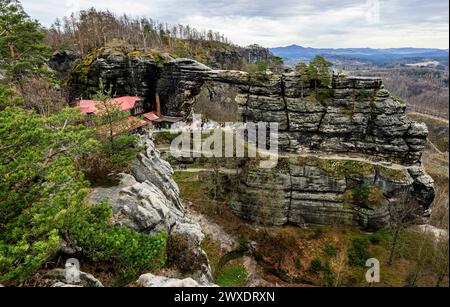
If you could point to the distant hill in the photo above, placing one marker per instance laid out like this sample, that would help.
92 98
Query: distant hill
363 56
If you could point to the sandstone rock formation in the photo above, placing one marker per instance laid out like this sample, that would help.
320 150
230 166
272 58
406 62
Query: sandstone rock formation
357 115
356 119
63 61
150 280
148 201
326 191
129 73
237 57
60 277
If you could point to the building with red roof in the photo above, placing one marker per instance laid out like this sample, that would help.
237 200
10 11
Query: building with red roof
126 103
132 104
152 116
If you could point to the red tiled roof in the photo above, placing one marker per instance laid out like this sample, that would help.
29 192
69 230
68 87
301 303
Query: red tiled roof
127 103
151 116
139 122
87 106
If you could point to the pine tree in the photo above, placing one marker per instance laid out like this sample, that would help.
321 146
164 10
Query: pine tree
120 146
302 69
22 51
319 71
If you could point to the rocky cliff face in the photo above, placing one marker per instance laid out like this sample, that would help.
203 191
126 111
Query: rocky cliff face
148 201
354 121
357 115
137 72
63 61
325 191
238 57
129 73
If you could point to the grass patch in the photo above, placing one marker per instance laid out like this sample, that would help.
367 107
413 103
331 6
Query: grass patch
232 276
392 173
165 137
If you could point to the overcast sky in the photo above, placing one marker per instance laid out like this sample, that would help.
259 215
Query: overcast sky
312 23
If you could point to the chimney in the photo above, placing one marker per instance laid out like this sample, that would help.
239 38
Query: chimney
158 106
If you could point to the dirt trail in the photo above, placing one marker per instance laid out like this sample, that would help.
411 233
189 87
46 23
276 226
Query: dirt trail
430 117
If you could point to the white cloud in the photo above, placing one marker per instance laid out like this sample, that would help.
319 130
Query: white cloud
316 23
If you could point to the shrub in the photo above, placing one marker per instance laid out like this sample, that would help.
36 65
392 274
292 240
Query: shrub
258 71
127 249
8 97
331 250
375 238
123 151
315 266
361 193
298 263
365 195
323 94
358 253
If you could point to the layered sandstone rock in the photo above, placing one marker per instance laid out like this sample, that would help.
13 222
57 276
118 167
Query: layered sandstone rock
357 115
148 201
356 118
326 191
129 73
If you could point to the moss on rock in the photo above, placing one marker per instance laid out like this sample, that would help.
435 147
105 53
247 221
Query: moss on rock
83 67
338 168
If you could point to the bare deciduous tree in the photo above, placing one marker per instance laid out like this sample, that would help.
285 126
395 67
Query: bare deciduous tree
42 96
403 212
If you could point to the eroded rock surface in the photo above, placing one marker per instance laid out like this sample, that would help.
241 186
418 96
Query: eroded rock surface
355 117
150 280
148 201
85 279
310 190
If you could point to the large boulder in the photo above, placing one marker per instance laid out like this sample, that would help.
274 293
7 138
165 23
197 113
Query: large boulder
150 280
61 280
185 253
